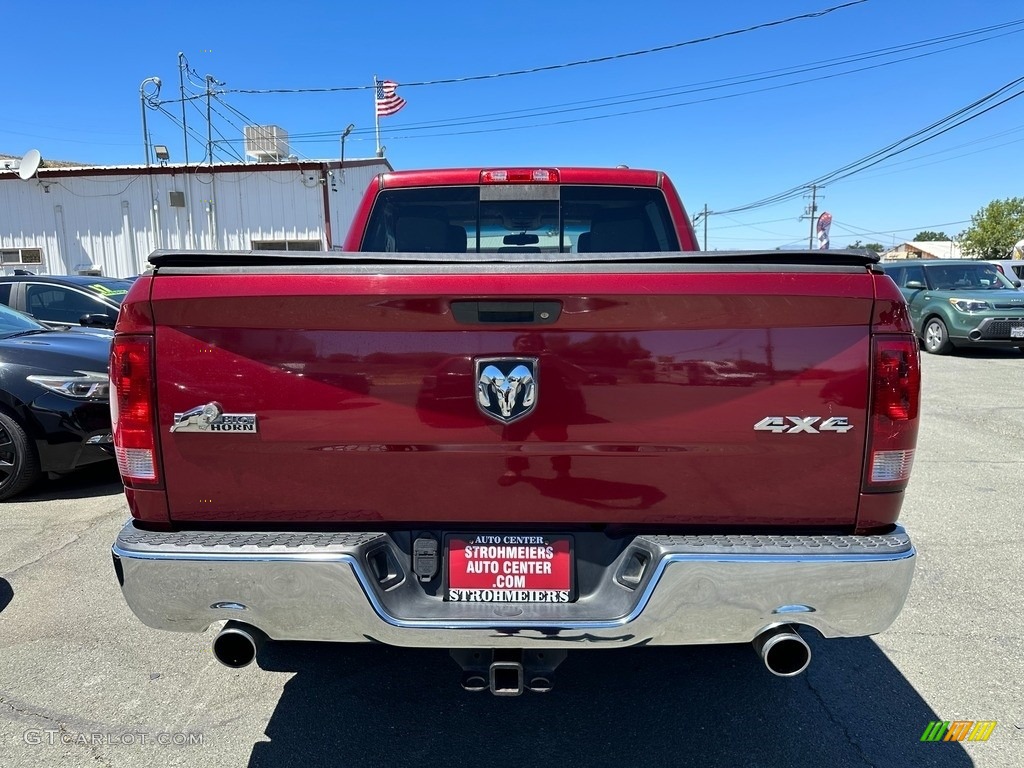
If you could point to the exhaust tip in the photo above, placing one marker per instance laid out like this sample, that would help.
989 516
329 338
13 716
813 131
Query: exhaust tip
783 651
236 645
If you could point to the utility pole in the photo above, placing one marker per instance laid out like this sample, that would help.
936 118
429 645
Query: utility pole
211 208
181 84
705 226
209 123
697 217
812 211
186 180
148 96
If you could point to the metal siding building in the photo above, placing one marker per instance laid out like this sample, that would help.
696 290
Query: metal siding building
67 220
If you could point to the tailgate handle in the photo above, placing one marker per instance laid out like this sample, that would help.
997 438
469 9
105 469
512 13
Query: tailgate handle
506 312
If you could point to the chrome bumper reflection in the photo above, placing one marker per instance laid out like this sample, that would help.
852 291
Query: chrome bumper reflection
697 590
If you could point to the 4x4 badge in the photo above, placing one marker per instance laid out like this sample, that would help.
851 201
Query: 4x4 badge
803 424
506 387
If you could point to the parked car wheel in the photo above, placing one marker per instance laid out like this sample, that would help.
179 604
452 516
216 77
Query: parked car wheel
19 465
936 337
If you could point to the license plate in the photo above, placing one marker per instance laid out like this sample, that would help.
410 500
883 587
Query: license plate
509 568
1017 331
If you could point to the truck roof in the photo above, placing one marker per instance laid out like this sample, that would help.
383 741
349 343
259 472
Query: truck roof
634 177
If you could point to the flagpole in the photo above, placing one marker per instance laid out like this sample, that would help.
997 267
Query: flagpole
376 115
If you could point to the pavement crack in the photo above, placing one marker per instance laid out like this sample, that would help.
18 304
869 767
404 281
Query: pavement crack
29 713
94 522
67 736
838 723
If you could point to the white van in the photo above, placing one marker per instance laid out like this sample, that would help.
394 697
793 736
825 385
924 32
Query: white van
1013 269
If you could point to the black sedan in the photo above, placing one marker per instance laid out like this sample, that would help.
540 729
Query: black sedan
65 301
54 400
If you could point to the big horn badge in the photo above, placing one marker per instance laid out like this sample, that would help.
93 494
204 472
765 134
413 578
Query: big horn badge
506 387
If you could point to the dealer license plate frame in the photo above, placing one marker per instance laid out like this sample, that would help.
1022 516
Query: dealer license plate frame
462 538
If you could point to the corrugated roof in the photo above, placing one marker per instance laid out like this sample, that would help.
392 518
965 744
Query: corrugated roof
173 168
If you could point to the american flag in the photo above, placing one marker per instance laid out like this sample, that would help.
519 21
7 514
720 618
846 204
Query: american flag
388 102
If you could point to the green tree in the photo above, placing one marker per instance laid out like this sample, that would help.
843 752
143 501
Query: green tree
994 229
876 247
928 235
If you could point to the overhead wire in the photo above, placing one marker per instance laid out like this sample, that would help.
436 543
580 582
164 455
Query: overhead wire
309 137
177 122
303 137
948 123
567 65
225 141
927 133
1005 29
938 162
396 132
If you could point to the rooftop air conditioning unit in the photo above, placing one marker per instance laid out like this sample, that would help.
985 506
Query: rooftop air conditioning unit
266 142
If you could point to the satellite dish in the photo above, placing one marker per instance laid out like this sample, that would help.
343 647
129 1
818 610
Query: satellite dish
29 164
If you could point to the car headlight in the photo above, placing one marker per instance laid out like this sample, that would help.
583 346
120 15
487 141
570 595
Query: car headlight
969 305
88 385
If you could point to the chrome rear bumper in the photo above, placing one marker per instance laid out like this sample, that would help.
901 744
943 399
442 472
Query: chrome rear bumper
357 587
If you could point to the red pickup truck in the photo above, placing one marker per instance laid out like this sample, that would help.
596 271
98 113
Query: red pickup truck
520 414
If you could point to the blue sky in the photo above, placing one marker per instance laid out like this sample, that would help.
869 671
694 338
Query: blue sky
725 143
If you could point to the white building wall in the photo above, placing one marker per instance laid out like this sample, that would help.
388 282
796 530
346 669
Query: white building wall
77 222
349 185
116 221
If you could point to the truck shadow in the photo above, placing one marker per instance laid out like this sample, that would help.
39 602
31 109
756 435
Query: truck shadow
983 353
6 594
100 479
715 705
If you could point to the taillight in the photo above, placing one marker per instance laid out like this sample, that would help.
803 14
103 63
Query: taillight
132 409
519 176
895 404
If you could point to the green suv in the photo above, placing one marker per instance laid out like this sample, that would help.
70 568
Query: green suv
956 303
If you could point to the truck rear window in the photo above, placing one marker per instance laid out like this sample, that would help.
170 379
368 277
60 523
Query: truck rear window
520 218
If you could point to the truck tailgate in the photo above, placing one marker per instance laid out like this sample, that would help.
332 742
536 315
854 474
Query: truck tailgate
650 385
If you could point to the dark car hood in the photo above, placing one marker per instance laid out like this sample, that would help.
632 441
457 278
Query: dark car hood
103 333
58 350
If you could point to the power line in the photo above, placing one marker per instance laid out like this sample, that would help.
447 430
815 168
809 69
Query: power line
920 141
861 232
160 108
216 144
1014 27
303 138
309 137
929 132
939 162
579 63
225 141
740 224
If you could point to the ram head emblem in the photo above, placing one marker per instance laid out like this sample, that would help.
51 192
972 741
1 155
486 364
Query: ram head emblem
506 388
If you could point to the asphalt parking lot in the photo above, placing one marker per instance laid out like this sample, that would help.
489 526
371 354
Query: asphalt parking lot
84 683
